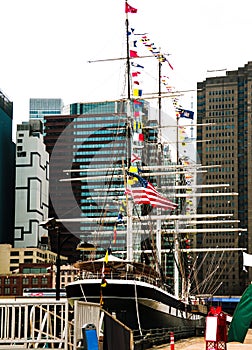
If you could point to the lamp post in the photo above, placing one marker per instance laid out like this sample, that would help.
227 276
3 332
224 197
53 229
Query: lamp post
51 224
58 263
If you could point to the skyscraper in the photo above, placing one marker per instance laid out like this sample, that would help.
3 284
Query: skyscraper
224 104
39 107
92 136
32 185
7 171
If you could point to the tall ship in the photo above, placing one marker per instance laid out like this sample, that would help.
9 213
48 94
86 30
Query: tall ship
144 272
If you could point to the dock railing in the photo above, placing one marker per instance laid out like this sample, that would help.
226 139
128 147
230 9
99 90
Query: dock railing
30 323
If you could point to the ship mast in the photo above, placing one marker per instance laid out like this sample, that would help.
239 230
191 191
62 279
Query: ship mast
129 204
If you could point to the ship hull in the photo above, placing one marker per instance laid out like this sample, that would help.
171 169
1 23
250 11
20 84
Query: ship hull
137 304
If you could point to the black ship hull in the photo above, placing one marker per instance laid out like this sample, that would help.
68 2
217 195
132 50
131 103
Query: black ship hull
137 304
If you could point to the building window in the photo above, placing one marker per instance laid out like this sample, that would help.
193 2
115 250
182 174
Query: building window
34 270
21 154
14 261
28 252
7 290
25 281
15 253
44 280
6 281
14 281
35 280
28 261
14 290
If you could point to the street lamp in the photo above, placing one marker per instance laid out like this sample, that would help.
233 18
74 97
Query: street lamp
52 224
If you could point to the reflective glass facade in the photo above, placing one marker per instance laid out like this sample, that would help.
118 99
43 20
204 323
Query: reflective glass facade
39 107
94 138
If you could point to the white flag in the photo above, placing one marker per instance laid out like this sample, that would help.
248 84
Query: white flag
247 259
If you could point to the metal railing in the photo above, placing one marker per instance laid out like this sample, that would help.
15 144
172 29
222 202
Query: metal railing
31 323
125 276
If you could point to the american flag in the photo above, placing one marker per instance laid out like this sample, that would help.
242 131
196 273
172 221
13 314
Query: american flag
143 192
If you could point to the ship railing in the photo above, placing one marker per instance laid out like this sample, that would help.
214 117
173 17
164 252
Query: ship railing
125 276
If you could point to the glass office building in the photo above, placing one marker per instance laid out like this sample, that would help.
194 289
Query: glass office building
40 107
88 148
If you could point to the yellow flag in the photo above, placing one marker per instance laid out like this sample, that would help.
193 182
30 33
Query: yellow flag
132 180
106 257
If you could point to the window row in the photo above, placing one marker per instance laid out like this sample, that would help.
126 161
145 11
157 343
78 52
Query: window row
221 99
222 106
218 155
25 280
221 113
221 176
99 152
221 134
221 92
223 169
99 127
93 145
219 123
219 148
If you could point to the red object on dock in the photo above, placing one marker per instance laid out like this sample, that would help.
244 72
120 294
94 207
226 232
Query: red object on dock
216 330
172 340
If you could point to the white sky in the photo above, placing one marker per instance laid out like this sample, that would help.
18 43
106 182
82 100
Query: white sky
45 45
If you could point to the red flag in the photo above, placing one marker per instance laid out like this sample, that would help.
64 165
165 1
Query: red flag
136 102
129 9
138 137
141 137
135 74
133 53
169 64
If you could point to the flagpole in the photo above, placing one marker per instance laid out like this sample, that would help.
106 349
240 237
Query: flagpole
127 56
176 226
158 223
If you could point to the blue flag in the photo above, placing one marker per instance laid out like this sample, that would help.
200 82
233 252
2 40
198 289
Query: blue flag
185 113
